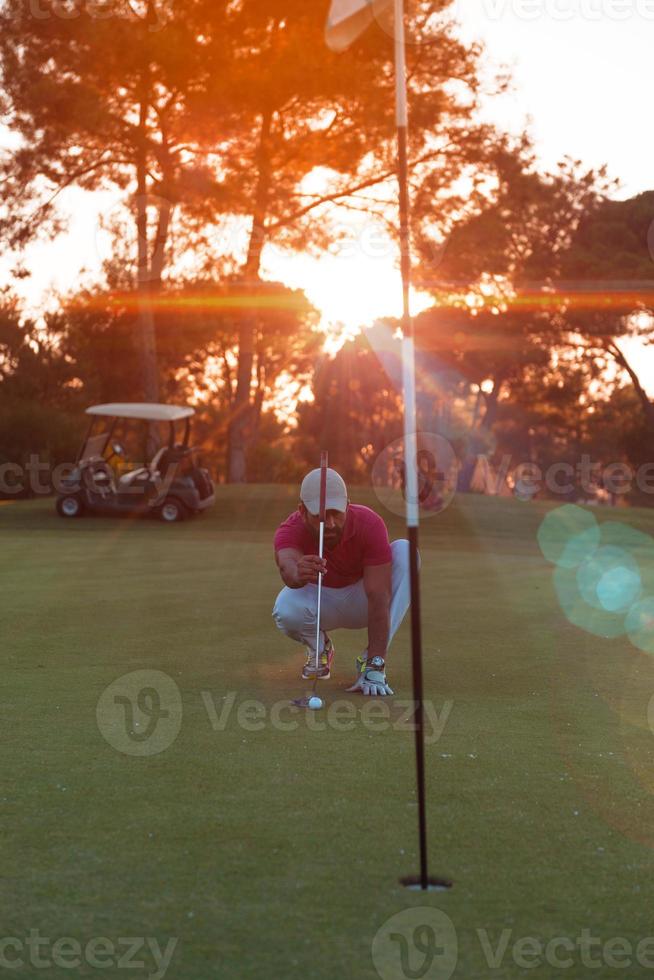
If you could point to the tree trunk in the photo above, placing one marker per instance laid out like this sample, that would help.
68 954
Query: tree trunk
159 247
146 328
242 407
490 401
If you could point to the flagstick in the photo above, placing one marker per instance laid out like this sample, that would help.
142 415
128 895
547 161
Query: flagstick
410 438
346 21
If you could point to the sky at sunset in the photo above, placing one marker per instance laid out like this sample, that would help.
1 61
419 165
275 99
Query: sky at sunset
582 73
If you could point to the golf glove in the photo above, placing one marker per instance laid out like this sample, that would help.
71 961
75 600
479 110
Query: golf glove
372 679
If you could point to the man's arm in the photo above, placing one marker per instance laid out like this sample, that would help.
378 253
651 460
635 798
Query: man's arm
297 569
377 583
371 679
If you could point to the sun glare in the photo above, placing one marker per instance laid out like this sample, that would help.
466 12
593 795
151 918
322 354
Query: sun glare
350 290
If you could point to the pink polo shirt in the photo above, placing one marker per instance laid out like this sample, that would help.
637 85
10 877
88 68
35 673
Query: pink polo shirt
364 542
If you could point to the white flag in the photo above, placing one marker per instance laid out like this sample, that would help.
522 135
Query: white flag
348 19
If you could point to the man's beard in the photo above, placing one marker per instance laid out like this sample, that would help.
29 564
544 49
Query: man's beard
331 538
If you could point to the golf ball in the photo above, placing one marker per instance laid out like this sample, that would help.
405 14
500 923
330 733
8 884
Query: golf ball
315 703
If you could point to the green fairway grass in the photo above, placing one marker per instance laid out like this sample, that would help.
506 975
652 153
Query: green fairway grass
276 854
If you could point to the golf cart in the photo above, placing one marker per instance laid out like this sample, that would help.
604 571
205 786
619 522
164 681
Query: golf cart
135 460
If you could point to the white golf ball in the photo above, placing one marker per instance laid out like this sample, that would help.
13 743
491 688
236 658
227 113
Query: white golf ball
315 703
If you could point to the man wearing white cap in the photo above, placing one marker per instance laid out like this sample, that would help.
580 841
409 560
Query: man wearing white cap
365 580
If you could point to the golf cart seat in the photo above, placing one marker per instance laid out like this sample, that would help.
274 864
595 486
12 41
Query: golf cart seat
99 476
143 472
127 479
160 461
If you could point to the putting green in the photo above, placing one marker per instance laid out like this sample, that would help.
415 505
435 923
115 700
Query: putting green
269 843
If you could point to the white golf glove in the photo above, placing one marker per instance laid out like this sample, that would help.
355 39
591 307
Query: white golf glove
372 678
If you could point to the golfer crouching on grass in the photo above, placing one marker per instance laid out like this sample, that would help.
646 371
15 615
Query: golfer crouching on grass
365 582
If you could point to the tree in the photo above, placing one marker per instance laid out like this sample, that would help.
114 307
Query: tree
311 109
499 317
617 431
104 100
355 413
608 286
37 401
519 225
226 110
198 324
284 339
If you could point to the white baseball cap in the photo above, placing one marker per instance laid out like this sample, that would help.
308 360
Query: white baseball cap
336 492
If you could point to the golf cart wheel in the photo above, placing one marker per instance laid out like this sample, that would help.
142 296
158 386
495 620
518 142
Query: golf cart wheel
172 510
70 506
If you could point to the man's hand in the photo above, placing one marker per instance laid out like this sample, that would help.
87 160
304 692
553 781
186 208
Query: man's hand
308 568
297 569
371 682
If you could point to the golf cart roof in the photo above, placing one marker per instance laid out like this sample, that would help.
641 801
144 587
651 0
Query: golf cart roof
149 411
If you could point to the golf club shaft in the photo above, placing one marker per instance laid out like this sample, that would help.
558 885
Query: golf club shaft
321 544
321 548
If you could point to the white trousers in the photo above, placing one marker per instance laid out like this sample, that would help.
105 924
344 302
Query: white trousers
346 608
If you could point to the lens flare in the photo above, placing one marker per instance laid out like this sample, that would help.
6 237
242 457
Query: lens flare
609 579
604 575
640 624
568 536
593 618
618 588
